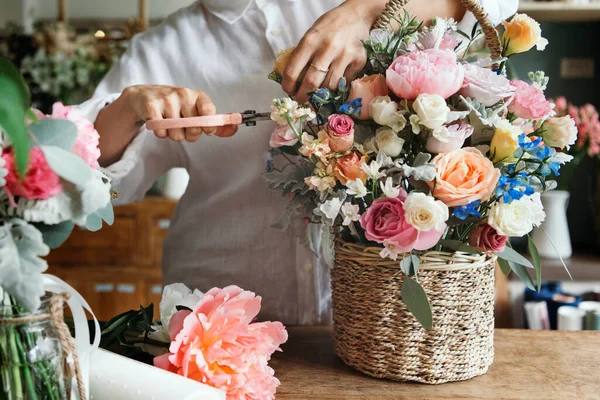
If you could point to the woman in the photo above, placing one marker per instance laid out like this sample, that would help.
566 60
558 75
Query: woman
215 55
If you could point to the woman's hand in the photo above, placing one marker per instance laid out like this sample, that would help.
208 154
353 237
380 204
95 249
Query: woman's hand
332 48
152 102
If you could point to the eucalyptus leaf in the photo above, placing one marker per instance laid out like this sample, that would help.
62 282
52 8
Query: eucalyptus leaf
67 165
457 245
55 235
55 132
107 214
511 255
504 266
535 257
417 303
410 265
93 222
327 245
522 274
421 159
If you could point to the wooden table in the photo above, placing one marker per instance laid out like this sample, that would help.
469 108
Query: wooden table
528 365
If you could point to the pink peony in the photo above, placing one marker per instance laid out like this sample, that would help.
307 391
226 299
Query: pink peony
40 182
430 71
88 139
451 137
485 86
385 221
340 130
283 136
367 88
485 238
218 344
529 101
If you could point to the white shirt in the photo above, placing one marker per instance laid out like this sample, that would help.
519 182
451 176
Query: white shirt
221 233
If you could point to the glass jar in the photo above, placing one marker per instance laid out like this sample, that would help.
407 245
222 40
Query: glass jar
31 357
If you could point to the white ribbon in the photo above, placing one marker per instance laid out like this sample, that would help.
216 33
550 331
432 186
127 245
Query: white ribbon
78 305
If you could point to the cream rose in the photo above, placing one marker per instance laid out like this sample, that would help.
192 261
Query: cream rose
518 217
385 112
388 142
425 212
432 110
560 132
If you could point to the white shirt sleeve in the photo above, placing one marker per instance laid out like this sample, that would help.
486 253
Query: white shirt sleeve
498 11
147 157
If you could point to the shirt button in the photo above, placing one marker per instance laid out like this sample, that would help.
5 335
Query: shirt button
276 31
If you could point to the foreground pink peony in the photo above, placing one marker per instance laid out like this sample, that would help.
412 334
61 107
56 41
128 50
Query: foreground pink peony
40 183
218 344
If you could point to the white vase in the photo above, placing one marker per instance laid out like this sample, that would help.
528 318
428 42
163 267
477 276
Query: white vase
556 226
175 184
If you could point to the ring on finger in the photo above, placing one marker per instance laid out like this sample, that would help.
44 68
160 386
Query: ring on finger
320 69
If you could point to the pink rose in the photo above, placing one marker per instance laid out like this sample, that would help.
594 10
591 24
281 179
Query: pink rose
367 88
449 138
431 71
385 221
529 101
283 136
40 182
485 86
485 238
340 130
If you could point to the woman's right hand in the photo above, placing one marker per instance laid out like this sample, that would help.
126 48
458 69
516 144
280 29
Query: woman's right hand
152 102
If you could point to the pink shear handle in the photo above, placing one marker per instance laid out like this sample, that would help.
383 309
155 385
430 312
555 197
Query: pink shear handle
195 122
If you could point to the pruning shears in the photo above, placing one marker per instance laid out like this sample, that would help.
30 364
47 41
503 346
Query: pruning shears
248 118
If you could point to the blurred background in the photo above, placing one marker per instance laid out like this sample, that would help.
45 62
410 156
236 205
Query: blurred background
64 48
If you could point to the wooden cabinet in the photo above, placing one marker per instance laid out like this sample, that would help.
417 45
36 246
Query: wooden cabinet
119 267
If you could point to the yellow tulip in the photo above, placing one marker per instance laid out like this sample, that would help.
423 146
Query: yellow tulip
521 34
505 142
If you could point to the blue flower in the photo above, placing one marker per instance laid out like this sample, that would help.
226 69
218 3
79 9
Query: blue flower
510 189
351 107
470 209
322 96
529 145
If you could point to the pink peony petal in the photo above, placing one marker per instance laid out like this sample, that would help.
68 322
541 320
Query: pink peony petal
176 322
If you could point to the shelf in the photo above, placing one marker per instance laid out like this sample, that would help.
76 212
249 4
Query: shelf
558 11
583 267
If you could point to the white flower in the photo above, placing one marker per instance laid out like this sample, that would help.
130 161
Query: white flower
432 110
414 123
91 197
373 170
356 188
331 208
176 294
561 158
518 217
283 108
320 183
389 251
389 189
350 212
388 142
385 112
304 112
425 212
384 160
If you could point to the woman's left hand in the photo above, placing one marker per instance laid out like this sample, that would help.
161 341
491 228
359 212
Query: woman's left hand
332 48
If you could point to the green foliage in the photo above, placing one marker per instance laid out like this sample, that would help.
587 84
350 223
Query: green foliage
511 255
115 329
521 272
14 104
55 132
457 245
535 257
504 266
55 235
417 303
67 165
93 222
410 265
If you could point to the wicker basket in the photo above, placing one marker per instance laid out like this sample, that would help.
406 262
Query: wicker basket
373 330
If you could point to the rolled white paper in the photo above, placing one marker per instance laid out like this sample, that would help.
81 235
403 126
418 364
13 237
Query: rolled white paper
537 315
113 377
570 318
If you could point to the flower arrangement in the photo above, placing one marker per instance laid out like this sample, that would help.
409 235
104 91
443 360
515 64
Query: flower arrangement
50 181
208 337
432 149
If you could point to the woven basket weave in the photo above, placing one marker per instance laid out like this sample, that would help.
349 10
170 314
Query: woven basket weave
376 334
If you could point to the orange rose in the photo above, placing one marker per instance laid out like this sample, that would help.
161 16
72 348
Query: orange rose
521 34
349 168
367 89
463 176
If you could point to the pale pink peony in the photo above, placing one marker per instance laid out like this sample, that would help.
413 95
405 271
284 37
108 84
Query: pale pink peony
88 139
430 71
529 101
217 344
485 86
40 182
385 221
485 238
283 136
367 88
451 137
340 130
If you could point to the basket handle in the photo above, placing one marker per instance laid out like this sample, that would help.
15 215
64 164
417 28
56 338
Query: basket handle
393 8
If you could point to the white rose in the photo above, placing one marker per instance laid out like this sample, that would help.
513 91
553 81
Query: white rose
388 142
432 110
385 112
175 295
560 132
518 217
425 212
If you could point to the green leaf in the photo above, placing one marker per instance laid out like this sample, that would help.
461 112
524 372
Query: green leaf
67 165
55 132
14 103
417 303
522 274
511 255
410 265
535 257
504 266
30 115
457 245
93 222
107 214
55 235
